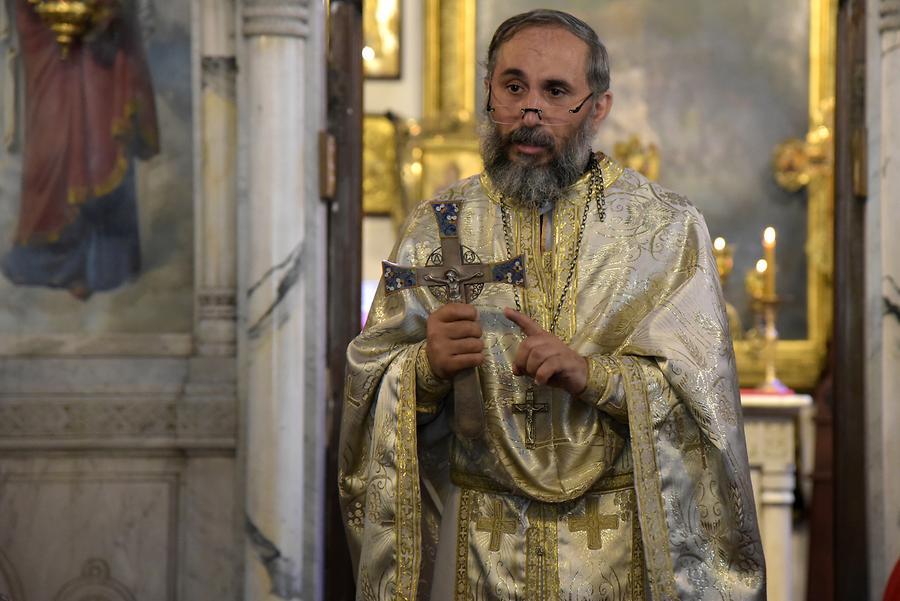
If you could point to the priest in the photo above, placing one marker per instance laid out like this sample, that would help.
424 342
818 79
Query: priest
609 461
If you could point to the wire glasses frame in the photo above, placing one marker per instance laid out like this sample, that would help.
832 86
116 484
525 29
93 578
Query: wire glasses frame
491 110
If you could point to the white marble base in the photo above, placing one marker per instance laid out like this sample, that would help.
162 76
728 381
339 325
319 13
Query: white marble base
770 425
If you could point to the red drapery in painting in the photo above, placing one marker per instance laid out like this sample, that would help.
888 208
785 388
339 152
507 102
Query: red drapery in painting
86 116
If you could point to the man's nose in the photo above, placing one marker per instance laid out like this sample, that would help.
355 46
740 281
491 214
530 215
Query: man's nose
531 117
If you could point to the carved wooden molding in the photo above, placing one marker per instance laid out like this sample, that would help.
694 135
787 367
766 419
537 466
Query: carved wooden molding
285 18
890 15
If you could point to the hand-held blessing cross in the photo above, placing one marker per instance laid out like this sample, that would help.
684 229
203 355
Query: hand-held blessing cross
454 273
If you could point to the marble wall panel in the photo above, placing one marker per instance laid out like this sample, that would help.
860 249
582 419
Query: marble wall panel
210 568
59 514
135 527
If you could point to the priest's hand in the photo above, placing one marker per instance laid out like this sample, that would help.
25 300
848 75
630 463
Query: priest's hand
546 358
453 340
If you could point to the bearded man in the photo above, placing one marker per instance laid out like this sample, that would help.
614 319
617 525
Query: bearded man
611 463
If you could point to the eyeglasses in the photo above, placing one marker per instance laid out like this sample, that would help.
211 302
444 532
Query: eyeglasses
505 107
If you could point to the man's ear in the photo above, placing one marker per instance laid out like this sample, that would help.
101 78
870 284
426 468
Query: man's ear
602 107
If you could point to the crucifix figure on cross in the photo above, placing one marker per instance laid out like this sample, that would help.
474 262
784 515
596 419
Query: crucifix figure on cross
454 273
529 408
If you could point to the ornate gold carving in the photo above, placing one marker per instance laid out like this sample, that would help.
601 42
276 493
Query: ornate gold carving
70 20
643 159
797 162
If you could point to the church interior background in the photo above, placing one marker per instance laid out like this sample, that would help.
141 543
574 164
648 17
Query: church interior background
167 423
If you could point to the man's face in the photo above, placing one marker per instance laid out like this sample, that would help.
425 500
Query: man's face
530 161
536 63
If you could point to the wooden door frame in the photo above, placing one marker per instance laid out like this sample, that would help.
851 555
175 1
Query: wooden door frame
345 113
850 534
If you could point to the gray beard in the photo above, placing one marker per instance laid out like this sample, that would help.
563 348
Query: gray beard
525 182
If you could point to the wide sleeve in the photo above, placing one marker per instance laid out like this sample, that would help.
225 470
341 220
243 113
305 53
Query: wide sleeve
692 478
378 465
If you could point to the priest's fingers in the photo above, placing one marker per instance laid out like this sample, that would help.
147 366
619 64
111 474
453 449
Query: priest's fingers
456 330
457 363
455 312
529 326
520 361
527 347
539 354
464 347
549 368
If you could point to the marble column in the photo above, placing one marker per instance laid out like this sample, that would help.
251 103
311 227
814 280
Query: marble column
883 291
216 210
282 296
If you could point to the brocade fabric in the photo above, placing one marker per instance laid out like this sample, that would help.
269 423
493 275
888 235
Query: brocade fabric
639 488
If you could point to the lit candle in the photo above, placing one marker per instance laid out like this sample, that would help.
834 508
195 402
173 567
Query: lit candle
769 246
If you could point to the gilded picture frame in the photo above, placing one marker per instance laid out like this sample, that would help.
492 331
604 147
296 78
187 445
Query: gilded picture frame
382 195
382 22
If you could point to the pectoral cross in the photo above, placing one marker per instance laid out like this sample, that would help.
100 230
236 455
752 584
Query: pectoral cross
529 408
454 273
496 525
594 523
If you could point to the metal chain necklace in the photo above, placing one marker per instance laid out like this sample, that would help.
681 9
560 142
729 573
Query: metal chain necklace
595 192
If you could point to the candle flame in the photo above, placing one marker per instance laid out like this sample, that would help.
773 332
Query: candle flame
762 266
719 244
368 53
769 235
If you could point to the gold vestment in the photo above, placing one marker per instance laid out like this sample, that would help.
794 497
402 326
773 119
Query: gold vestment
639 488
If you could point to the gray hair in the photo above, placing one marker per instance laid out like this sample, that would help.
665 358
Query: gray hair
598 60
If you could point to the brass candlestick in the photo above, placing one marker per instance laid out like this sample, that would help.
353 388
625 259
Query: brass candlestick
761 288
724 254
